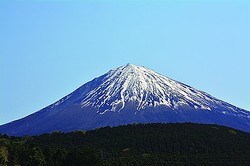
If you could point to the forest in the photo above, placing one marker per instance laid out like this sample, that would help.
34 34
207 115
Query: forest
153 144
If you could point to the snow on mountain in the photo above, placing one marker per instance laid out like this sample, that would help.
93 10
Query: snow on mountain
129 94
144 87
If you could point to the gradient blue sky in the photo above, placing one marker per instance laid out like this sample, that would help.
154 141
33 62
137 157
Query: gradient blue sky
50 48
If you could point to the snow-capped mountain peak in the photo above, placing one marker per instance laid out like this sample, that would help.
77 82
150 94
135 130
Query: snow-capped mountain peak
144 88
125 95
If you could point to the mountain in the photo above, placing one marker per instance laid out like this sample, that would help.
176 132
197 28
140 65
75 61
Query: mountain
126 95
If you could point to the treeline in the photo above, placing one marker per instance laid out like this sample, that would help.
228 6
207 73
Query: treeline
137 144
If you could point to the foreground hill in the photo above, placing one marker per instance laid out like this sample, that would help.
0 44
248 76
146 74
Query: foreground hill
137 144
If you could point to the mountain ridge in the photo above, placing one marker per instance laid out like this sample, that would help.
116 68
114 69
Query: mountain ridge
125 95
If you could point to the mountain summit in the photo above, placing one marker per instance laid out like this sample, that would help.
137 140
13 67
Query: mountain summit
129 94
142 88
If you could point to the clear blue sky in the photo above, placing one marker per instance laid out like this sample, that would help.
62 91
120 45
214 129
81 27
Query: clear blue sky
50 48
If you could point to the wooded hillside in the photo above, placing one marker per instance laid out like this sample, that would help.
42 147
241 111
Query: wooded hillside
137 144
